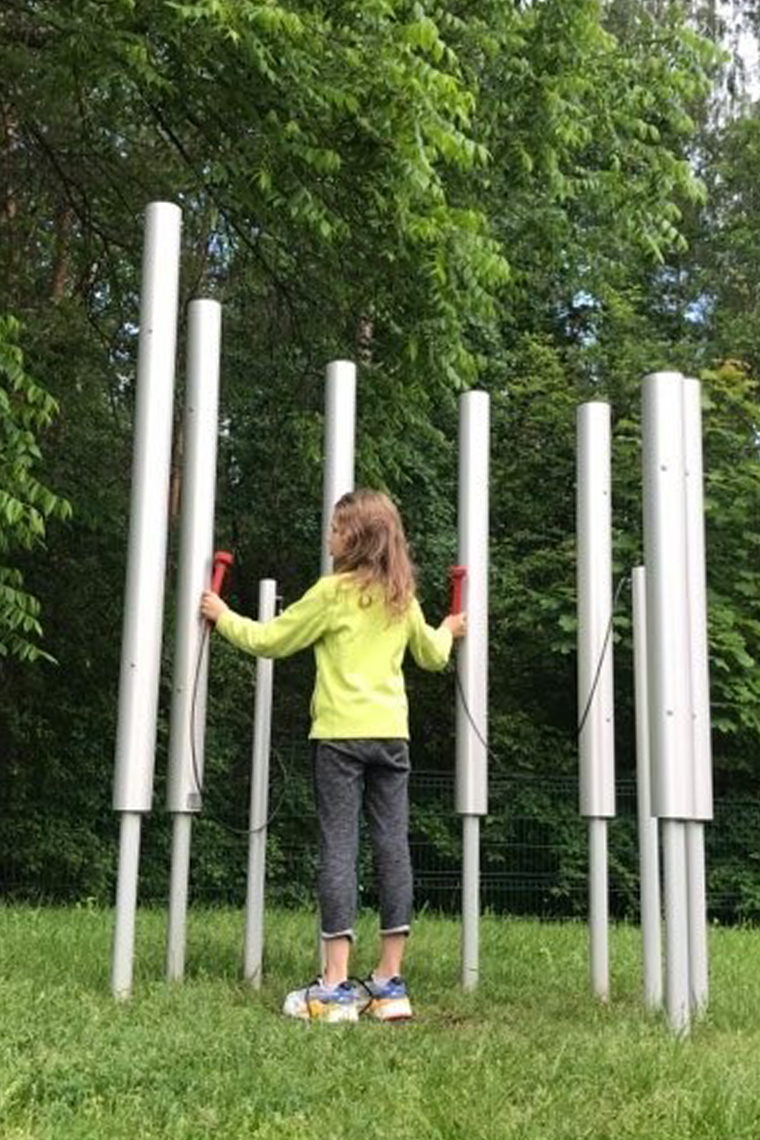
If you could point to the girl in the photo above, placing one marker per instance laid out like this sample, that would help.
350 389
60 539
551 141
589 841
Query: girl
360 620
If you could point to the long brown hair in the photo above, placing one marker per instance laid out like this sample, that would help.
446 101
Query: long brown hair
376 551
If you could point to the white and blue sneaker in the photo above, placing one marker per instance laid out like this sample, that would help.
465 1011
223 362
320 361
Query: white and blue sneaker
318 1002
387 999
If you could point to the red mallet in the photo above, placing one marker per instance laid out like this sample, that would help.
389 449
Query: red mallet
457 575
222 561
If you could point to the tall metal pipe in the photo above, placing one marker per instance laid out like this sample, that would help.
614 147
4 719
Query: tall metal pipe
188 713
338 465
595 669
257 840
146 560
472 665
700 694
649 856
669 669
667 596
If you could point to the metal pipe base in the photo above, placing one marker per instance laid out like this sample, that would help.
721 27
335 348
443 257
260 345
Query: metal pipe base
470 900
676 925
695 870
126 905
598 909
178 891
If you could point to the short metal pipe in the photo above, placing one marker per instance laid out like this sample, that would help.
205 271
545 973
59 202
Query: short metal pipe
182 823
126 904
257 842
677 989
598 909
470 901
698 951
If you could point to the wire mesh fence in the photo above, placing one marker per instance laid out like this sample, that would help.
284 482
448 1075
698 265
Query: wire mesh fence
533 851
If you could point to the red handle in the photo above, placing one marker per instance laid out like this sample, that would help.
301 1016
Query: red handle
457 575
222 560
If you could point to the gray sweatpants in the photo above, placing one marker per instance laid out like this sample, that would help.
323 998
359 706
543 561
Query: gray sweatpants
347 773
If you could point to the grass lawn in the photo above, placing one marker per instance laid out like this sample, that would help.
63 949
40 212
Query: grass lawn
528 1055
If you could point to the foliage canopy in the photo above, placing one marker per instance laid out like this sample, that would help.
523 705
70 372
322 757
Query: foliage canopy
537 198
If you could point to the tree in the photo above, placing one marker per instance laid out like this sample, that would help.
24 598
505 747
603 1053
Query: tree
495 193
26 504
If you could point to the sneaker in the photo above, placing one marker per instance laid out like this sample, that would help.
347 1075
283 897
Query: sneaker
317 1002
388 999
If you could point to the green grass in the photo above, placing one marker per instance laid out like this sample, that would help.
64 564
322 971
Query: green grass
528 1055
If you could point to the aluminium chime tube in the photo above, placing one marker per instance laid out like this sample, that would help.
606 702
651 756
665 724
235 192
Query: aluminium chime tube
146 560
338 465
668 665
188 711
595 669
472 662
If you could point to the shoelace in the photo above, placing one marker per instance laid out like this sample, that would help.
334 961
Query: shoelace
360 983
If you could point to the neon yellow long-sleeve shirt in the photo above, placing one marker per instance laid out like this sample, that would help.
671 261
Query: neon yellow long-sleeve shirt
359 691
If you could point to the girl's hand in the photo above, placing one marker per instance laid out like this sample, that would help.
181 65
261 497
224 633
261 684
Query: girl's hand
456 624
212 606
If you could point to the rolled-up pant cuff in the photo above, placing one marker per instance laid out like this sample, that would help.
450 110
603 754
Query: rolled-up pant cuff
395 929
349 934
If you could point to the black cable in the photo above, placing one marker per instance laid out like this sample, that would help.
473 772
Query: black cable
193 707
458 682
468 714
194 756
597 674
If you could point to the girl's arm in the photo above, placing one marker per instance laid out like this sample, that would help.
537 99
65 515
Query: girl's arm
431 647
298 626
